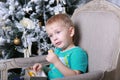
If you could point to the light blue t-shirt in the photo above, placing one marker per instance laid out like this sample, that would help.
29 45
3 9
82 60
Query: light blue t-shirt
74 58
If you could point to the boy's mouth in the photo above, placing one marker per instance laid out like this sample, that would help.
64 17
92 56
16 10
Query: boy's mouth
58 43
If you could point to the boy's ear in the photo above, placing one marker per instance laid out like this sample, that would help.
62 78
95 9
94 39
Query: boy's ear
72 31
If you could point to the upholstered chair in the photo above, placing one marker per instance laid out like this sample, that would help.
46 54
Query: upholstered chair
97 26
98 32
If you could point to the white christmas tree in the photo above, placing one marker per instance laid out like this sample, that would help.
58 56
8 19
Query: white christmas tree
22 25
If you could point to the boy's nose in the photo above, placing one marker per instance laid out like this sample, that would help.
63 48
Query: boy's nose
54 38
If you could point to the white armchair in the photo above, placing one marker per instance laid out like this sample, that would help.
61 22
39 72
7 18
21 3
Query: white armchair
98 32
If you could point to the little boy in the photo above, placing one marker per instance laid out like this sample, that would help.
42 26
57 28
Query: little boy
67 59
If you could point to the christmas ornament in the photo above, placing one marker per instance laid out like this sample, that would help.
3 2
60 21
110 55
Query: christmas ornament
17 41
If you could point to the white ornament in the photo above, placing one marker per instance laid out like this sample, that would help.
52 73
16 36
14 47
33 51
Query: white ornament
26 22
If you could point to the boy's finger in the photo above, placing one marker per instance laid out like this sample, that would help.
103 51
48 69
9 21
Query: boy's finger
35 67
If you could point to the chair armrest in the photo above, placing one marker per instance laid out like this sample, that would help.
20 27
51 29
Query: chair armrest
96 75
21 62
5 65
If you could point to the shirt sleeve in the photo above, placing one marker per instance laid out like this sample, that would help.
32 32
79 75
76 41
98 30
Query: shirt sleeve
79 60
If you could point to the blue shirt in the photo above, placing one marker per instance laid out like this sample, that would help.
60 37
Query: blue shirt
74 58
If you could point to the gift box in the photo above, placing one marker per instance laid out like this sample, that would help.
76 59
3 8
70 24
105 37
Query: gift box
31 75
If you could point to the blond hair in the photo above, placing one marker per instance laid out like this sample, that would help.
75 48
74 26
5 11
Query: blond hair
60 18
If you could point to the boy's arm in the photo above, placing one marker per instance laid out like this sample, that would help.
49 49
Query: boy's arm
65 70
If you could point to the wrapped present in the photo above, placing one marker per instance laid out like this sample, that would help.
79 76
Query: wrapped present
31 75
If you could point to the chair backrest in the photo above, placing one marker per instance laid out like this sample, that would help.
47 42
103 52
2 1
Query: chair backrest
98 23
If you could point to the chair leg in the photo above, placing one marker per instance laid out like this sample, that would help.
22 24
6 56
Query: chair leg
4 75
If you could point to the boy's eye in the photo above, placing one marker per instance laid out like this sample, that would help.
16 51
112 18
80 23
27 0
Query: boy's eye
49 35
58 32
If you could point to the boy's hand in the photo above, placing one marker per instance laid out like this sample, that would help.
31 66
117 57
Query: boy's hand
37 67
52 57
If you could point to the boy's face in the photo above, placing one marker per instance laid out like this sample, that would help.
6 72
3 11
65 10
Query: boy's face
60 36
